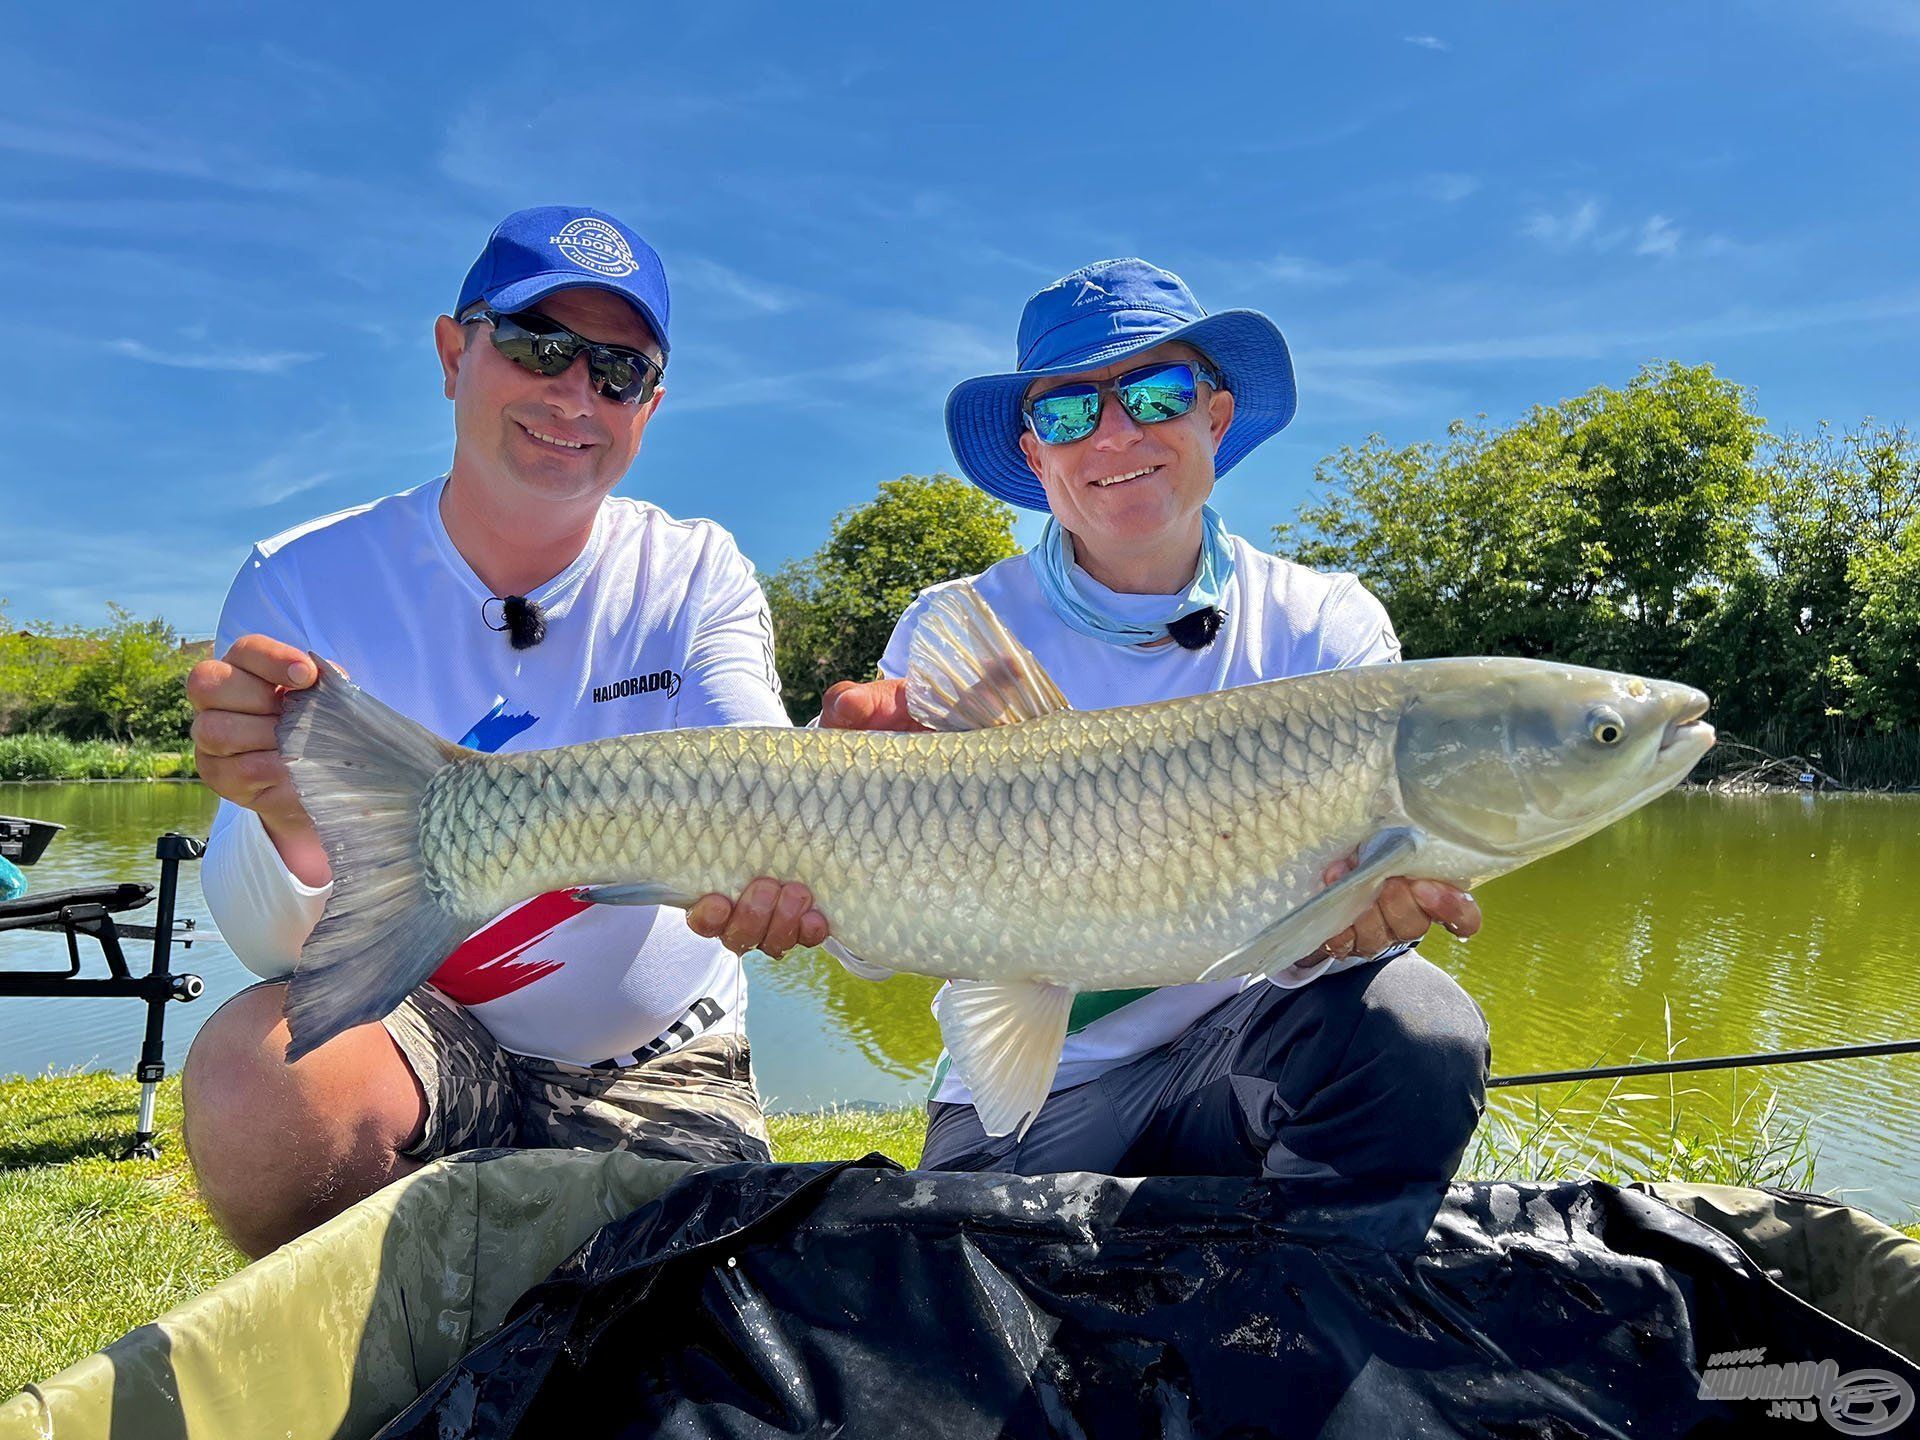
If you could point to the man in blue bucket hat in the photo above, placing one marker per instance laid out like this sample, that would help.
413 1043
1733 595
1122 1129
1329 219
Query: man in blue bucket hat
1126 403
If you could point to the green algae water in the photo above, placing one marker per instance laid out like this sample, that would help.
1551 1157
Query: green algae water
1703 925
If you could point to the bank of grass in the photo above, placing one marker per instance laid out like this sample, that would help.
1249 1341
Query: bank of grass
53 757
91 1247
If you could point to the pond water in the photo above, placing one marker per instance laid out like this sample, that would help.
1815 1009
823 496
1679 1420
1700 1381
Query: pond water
1707 925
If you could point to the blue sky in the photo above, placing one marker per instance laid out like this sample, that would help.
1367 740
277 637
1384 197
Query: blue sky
228 234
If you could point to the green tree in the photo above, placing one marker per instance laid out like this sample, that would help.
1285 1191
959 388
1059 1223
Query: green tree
1810 637
125 680
1475 545
1670 489
834 611
130 683
1600 530
1886 692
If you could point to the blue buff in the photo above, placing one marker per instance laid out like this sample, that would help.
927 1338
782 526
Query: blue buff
1052 561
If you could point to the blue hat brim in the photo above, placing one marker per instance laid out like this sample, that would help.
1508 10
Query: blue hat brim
983 414
532 289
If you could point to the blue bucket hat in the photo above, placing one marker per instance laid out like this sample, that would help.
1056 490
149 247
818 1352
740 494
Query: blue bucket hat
1093 317
533 253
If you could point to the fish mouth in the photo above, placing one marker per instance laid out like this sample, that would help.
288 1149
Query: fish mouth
1689 730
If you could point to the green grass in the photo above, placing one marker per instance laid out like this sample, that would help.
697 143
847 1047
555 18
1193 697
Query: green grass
53 757
91 1247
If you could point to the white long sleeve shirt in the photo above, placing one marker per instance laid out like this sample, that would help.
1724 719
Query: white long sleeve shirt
659 624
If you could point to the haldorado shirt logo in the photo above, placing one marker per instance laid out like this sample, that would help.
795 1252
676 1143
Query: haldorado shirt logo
654 682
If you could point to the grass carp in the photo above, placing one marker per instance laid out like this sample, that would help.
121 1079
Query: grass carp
1022 849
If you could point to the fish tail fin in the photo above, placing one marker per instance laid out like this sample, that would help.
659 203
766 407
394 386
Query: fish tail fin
362 771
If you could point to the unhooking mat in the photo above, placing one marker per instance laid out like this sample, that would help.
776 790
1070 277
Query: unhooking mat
857 1300
852 1301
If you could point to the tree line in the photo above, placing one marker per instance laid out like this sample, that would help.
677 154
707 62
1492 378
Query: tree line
125 681
1658 528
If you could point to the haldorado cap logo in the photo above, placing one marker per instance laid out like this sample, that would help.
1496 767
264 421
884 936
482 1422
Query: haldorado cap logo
595 245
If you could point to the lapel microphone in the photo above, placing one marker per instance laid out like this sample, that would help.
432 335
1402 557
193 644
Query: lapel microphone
523 619
1196 631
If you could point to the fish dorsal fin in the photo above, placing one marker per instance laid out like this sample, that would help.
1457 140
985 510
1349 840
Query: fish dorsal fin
965 670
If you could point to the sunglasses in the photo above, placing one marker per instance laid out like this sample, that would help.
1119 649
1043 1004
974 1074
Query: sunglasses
537 344
1150 394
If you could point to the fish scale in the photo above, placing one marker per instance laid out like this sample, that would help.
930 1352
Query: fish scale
889 829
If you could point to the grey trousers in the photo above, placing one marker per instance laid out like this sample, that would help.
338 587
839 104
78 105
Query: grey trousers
1376 1073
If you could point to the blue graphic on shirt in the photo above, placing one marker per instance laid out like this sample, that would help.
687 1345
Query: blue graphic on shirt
496 727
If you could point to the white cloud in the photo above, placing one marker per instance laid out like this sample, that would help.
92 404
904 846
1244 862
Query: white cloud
1657 237
1583 344
1579 224
1449 187
334 450
904 352
1427 42
96 141
1582 226
1298 270
1888 17
244 362
717 279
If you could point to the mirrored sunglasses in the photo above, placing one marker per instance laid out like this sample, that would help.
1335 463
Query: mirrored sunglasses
541 346
1151 394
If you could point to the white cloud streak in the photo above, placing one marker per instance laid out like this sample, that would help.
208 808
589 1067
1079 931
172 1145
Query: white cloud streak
242 362
1586 344
1581 227
1298 270
714 278
1450 187
1426 42
1657 237
1571 228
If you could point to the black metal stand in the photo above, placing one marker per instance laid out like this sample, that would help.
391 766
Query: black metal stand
89 911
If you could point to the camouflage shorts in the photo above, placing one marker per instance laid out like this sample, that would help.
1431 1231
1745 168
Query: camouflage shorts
694 1103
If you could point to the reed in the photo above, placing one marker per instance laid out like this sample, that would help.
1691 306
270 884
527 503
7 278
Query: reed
1836 757
54 757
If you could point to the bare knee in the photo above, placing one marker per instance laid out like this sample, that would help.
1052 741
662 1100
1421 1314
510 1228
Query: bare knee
278 1148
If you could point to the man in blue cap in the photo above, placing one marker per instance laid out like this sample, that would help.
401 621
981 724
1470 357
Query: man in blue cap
1361 1060
509 604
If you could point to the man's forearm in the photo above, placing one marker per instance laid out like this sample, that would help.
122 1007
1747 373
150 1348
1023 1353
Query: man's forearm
300 850
263 910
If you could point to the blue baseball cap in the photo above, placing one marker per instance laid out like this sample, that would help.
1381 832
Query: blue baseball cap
533 253
1101 314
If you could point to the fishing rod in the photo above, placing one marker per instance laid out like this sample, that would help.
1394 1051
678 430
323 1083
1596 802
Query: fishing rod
1716 1062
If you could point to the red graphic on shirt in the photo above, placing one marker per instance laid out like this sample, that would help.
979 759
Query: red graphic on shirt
488 963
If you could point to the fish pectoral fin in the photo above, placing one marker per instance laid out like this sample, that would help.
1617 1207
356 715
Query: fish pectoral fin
637 892
853 962
1005 1040
965 671
1294 934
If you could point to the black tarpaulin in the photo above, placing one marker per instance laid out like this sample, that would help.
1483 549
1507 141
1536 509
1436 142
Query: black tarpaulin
859 1300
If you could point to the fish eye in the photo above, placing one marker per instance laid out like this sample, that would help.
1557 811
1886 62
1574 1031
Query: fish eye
1605 725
